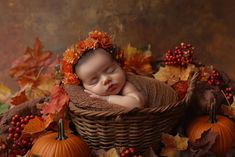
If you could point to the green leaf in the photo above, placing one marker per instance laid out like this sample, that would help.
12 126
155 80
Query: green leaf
3 108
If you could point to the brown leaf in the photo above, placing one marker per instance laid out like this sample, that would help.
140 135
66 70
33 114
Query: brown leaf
203 145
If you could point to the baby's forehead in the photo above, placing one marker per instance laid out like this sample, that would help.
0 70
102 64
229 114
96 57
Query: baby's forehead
94 64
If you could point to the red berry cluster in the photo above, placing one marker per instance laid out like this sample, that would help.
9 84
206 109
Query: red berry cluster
129 152
228 93
18 145
181 56
215 79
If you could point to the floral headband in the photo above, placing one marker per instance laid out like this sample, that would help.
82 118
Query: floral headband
71 56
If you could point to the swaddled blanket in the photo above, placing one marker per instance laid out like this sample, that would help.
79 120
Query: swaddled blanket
155 94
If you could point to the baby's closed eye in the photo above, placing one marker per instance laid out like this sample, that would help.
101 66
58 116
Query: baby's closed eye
109 70
93 80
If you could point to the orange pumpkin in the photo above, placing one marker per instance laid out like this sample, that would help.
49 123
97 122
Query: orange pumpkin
59 145
224 127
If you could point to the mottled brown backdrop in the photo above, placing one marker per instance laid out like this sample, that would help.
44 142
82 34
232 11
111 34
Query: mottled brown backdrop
208 25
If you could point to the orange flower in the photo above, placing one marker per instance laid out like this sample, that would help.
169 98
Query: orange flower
96 35
70 78
70 56
66 67
85 45
103 39
94 40
106 42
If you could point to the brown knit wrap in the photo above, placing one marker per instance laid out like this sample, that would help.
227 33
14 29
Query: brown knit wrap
155 94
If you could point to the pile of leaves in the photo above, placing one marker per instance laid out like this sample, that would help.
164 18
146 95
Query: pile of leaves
37 74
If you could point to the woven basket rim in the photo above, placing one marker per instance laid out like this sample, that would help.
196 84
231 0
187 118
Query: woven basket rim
149 110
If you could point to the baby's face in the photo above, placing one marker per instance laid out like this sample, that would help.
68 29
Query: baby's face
101 75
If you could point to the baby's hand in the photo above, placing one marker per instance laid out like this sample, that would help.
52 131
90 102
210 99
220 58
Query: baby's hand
93 95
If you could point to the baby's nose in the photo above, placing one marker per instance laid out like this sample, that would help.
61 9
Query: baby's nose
106 79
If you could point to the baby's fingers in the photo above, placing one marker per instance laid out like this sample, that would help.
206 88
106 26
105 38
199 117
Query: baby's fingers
91 94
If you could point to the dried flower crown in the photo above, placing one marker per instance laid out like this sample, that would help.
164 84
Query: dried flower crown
95 39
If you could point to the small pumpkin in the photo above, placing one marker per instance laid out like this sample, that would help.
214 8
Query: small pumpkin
59 145
223 126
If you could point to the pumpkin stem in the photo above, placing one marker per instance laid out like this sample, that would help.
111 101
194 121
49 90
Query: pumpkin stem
212 114
61 135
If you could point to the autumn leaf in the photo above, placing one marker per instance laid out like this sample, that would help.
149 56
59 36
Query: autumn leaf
136 61
205 72
37 124
31 63
229 110
110 153
173 74
5 93
19 97
173 144
129 51
58 100
38 87
202 146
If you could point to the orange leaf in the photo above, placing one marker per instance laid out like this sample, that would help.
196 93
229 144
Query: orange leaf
19 98
138 63
31 62
58 101
37 124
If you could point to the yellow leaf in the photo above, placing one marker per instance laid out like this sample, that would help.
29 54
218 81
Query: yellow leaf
173 74
110 153
40 87
45 83
173 144
5 93
229 110
129 51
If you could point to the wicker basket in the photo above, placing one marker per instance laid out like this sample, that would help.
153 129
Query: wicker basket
139 128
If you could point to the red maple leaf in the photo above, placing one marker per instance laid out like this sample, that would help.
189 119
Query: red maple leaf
58 101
